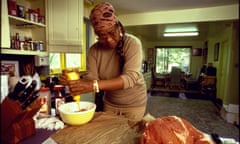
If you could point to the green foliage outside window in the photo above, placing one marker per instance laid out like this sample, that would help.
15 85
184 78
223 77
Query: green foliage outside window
166 58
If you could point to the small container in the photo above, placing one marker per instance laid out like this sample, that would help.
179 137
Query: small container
20 11
27 15
45 100
31 15
12 7
59 96
17 41
41 45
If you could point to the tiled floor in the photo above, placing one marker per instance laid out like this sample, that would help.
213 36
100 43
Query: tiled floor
203 114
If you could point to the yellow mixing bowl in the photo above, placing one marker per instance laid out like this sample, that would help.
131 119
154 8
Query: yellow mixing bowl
70 114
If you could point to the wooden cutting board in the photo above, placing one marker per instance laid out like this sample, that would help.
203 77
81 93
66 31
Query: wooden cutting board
104 128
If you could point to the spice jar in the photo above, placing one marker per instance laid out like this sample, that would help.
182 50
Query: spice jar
59 96
45 100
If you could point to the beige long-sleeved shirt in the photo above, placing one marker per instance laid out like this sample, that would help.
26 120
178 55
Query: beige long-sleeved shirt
103 63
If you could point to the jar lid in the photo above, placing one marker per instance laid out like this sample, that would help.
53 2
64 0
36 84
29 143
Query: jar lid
44 89
58 87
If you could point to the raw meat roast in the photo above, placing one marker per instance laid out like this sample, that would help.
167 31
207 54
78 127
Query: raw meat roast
172 130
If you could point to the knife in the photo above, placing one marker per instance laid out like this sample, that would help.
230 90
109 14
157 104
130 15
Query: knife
20 86
33 96
29 90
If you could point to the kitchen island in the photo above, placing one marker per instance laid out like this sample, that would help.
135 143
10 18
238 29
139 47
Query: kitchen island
104 128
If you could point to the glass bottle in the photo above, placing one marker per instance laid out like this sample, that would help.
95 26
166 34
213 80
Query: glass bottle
59 96
17 41
45 100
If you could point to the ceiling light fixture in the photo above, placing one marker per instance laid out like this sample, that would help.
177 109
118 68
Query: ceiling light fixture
180 34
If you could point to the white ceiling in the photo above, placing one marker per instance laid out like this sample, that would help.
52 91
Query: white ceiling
154 32
139 6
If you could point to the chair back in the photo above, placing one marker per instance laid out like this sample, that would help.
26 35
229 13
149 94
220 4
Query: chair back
175 75
198 75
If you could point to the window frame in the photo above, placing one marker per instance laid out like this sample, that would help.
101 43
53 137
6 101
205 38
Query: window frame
83 55
155 55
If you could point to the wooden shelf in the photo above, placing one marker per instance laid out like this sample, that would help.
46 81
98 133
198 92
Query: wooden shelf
23 52
24 22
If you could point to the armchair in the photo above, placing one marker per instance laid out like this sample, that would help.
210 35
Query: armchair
175 78
157 80
193 83
208 86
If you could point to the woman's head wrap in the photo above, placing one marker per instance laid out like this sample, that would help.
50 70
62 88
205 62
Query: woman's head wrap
103 16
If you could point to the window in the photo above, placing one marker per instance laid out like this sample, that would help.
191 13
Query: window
73 60
167 57
55 60
60 61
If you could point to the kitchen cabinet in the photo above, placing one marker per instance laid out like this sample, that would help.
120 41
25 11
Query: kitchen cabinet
25 27
65 25
148 79
5 32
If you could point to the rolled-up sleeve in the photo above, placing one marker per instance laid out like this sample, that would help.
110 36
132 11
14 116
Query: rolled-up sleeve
133 54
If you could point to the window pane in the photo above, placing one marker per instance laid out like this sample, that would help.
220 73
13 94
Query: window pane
73 60
55 61
166 58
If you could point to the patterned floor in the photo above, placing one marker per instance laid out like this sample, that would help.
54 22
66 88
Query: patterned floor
203 114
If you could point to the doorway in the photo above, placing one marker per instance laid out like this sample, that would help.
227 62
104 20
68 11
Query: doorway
223 70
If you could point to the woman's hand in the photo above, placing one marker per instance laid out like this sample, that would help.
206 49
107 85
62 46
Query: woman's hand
80 86
76 87
63 79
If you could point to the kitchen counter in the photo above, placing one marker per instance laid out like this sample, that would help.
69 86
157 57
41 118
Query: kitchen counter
40 136
104 127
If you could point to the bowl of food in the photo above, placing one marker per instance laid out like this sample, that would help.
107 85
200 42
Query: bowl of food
74 113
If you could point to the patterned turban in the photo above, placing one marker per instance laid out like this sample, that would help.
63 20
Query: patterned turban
102 16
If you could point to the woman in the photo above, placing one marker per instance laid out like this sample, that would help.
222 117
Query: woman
114 66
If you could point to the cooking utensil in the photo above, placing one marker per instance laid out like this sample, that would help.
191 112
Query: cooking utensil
70 114
20 86
27 91
33 96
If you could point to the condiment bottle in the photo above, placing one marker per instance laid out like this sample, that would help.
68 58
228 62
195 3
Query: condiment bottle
17 41
74 76
59 96
45 100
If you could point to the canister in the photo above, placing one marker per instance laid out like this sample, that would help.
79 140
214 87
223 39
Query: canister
45 100
41 45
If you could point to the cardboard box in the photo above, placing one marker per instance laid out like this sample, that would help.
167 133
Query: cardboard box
233 108
12 7
230 114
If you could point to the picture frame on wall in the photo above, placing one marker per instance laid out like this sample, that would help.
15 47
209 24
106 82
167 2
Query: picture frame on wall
150 55
196 51
205 49
150 52
10 67
216 51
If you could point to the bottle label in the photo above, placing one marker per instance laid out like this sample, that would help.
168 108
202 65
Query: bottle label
58 102
44 105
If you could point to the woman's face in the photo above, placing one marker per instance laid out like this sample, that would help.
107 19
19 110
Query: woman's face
109 38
